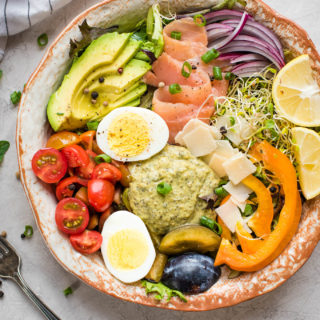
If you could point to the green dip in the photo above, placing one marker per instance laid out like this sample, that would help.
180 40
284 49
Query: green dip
190 179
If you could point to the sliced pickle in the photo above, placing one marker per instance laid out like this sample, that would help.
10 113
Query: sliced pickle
189 238
157 268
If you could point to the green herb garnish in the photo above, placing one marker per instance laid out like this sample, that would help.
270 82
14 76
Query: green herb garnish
60 113
211 224
217 73
248 210
163 188
175 88
42 40
102 158
67 291
176 35
221 192
15 97
93 125
28 231
162 291
1 72
4 146
200 20
185 73
229 76
210 55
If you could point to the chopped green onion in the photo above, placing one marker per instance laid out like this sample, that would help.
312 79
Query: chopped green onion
217 73
102 158
232 121
176 35
183 70
229 76
28 232
210 55
67 291
4 147
220 192
15 97
163 188
199 17
42 40
211 224
175 88
248 211
92 125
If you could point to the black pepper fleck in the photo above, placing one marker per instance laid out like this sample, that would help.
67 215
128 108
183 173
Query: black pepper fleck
194 67
94 94
1 294
101 79
223 130
22 236
120 70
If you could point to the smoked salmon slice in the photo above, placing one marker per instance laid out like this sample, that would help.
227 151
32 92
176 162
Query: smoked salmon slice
193 40
198 93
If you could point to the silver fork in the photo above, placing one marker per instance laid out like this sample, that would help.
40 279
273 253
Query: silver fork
10 264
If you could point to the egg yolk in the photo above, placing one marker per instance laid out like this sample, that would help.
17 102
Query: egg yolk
128 135
127 249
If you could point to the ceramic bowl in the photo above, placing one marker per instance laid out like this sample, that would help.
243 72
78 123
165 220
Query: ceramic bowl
33 131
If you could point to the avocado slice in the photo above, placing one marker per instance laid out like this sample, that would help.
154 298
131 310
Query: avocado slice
102 51
130 99
83 109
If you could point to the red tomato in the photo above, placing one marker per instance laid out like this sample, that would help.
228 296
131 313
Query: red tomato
63 139
87 242
107 171
67 187
49 164
72 216
86 171
100 194
76 156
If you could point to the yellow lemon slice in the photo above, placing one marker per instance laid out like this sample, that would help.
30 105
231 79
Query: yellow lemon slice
296 93
308 155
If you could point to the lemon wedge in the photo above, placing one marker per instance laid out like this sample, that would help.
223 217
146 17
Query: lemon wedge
308 155
296 93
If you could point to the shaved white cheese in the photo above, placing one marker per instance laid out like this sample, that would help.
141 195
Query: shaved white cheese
239 192
199 141
193 124
241 130
238 167
240 205
216 164
224 148
230 215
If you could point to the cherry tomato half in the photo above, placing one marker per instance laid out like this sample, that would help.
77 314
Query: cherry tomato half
86 171
87 139
100 194
67 187
49 164
76 156
107 171
72 216
63 139
87 242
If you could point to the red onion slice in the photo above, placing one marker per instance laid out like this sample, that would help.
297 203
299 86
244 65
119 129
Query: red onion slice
252 64
233 35
248 47
247 58
229 56
217 34
219 26
256 29
223 15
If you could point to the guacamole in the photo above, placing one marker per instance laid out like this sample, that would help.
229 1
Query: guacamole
189 177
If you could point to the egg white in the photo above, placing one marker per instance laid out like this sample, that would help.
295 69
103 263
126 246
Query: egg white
126 220
158 131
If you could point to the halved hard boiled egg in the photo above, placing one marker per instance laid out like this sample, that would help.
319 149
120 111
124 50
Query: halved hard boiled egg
127 248
132 134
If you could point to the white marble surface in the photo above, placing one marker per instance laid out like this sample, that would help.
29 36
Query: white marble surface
297 299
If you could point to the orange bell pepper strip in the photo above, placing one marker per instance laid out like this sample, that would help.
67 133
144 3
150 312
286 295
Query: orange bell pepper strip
276 162
261 221
226 233
247 243
87 139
